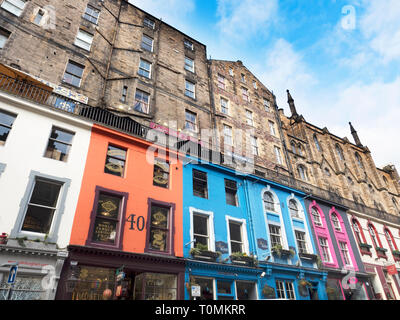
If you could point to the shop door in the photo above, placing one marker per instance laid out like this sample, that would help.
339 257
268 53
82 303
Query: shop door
313 291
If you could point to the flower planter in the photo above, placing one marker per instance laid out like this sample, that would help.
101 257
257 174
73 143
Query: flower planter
206 255
243 260
3 238
308 256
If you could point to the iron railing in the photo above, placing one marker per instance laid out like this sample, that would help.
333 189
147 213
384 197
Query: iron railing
27 90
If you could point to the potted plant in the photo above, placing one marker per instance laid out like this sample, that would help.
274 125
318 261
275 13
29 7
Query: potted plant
3 238
382 250
200 251
279 251
268 292
243 258
365 246
396 253
303 286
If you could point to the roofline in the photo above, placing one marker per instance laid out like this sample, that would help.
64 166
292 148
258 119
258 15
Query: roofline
161 21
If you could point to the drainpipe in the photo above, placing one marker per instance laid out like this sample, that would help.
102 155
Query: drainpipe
250 216
212 103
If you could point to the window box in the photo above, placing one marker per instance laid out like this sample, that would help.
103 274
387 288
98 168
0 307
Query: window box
201 252
308 256
381 250
278 251
365 246
396 253
243 259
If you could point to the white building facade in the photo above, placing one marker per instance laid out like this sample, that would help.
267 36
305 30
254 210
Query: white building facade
42 159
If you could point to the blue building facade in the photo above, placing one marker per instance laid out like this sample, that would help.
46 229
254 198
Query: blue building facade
246 238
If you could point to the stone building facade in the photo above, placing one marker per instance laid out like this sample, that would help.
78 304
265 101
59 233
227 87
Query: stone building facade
113 55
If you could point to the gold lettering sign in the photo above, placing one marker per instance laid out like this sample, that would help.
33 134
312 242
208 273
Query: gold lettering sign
158 240
105 231
159 219
160 176
108 206
116 153
117 168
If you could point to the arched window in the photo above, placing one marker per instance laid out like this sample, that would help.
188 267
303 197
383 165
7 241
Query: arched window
375 238
389 237
300 148
316 217
358 231
339 152
269 204
371 188
359 160
301 170
293 146
350 180
327 172
335 221
293 209
317 145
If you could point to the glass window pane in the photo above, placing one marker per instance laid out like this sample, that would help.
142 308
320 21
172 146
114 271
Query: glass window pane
45 193
75 69
105 230
116 152
108 206
159 217
161 174
224 287
57 151
200 225
114 166
158 240
235 231
6 119
38 219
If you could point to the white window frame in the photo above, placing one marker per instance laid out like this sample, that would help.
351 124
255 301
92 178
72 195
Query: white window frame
267 105
190 87
276 235
15 7
189 66
322 244
243 228
272 128
245 94
221 81
303 232
210 216
317 219
141 101
84 40
224 106
345 253
278 154
249 117
228 129
90 14
336 222
145 40
188 112
149 23
142 71
254 145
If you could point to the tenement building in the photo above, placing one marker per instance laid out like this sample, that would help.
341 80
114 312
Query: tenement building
288 210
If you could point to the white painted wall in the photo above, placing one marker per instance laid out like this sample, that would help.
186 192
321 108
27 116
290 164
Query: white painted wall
23 152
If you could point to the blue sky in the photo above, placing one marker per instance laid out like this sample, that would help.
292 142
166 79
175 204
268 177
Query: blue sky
340 59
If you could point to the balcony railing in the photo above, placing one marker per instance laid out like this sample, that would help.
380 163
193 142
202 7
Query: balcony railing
42 95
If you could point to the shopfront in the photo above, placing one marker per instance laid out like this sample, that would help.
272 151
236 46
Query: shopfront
221 281
98 274
347 286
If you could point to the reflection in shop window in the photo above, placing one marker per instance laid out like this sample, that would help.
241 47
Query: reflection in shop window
159 228
206 288
93 284
246 290
155 286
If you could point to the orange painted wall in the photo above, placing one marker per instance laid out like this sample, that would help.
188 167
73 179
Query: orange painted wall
137 181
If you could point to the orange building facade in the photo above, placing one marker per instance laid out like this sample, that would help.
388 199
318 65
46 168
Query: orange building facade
126 240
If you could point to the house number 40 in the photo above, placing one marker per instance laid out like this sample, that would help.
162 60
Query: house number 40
139 222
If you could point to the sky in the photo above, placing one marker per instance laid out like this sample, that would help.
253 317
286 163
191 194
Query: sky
339 59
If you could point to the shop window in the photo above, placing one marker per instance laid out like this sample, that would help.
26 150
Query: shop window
285 290
206 288
24 288
160 227
155 286
106 226
115 161
334 290
161 173
246 290
231 192
225 290
6 122
236 237
42 206
91 283
200 188
59 144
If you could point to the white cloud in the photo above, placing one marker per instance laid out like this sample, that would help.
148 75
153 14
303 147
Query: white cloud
284 69
380 24
240 19
173 12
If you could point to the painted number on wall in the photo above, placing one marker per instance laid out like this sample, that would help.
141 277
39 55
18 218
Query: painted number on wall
139 222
